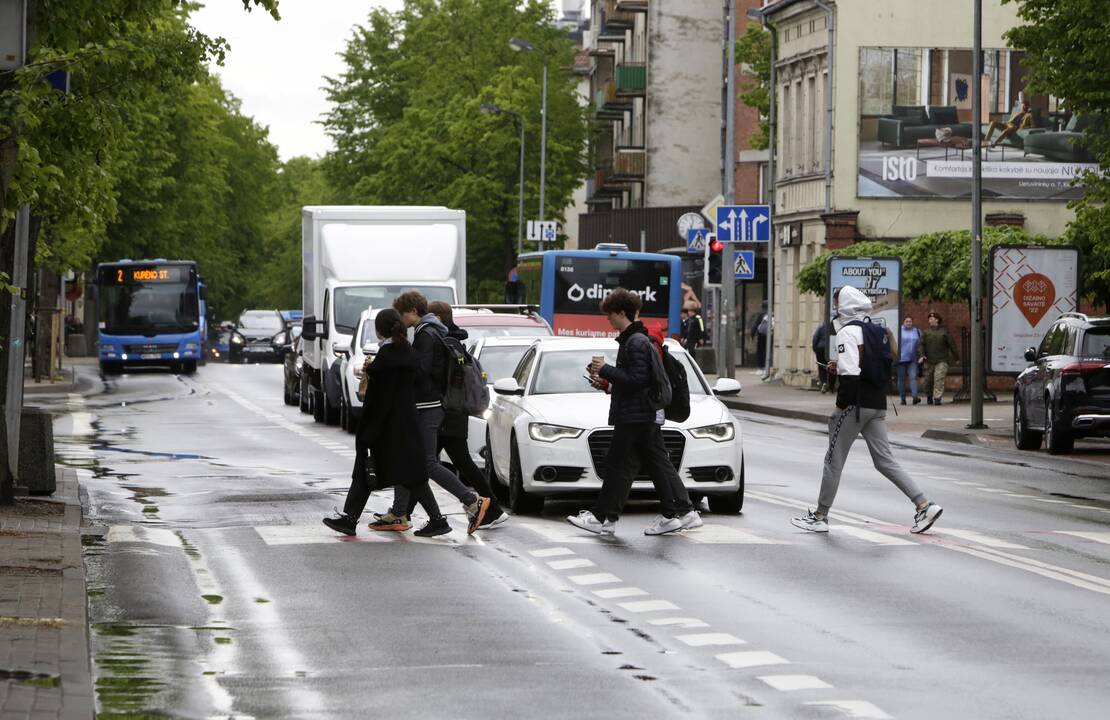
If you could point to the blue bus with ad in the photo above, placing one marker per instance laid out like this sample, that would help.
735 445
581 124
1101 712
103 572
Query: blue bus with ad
151 315
568 286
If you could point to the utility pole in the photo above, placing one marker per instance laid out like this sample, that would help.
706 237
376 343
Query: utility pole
728 272
976 358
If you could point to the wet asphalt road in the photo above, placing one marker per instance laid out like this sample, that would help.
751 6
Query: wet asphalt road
216 592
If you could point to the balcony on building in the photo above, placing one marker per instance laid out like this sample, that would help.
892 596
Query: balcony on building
614 22
632 5
609 104
631 78
629 163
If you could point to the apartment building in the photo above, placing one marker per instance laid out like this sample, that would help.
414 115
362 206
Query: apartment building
865 162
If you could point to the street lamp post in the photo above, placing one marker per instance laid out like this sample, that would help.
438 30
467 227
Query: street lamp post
518 45
497 110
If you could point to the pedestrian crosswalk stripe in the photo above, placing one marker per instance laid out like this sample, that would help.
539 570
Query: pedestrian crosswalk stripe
1101 537
789 683
594 579
710 534
874 537
622 592
141 534
751 658
705 639
551 552
979 538
639 606
680 622
569 564
853 708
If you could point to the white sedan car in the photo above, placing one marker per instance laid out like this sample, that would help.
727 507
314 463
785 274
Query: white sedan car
548 434
498 357
364 344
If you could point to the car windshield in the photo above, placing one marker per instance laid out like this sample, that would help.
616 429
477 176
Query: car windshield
477 332
500 362
261 320
561 371
351 301
1096 343
369 334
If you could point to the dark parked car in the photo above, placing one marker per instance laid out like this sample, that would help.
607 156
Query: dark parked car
1065 393
219 348
294 361
259 335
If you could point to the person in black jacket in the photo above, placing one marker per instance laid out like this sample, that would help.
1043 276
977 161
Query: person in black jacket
637 430
389 427
693 330
820 344
456 427
431 379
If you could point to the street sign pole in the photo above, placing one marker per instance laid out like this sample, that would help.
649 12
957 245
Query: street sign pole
728 279
976 358
13 402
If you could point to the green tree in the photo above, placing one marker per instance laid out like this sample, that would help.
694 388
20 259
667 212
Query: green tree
408 129
1067 56
753 50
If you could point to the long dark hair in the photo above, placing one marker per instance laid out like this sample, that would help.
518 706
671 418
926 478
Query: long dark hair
388 324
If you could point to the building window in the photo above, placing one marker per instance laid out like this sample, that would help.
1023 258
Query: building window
784 134
799 128
813 122
876 86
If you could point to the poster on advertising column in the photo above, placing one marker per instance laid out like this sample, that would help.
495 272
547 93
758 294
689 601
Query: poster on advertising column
880 279
1030 287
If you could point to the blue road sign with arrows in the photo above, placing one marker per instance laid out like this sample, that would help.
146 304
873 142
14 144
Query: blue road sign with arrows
696 239
744 223
744 264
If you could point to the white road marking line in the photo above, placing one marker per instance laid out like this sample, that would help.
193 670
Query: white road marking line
140 534
613 593
992 490
1053 572
789 683
551 552
1051 501
570 564
710 534
594 579
639 606
854 708
704 639
680 622
562 533
874 537
979 538
308 535
82 423
968 483
1101 537
751 658
932 477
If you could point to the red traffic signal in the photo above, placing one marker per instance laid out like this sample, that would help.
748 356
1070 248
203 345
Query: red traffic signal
716 246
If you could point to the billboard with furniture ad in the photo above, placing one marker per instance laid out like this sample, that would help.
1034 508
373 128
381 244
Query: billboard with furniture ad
916 129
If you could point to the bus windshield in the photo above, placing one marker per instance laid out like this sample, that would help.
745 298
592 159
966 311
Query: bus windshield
351 301
148 302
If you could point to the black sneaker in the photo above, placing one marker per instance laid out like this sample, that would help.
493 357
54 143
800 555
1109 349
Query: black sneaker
929 400
917 401
437 526
341 523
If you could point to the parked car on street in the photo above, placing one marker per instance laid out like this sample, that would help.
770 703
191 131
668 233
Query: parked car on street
258 335
498 357
548 433
500 321
1065 392
363 346
293 361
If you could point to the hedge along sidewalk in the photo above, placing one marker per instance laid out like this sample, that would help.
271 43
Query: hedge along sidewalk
44 637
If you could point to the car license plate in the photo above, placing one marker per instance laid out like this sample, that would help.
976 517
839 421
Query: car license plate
151 356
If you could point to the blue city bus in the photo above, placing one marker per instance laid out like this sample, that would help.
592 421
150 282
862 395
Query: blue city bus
568 286
151 314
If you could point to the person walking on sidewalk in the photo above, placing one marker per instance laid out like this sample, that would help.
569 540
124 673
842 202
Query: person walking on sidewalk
389 427
861 410
909 359
456 427
431 379
761 325
693 330
637 429
820 344
937 348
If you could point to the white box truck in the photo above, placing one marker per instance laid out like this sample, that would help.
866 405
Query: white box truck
355 257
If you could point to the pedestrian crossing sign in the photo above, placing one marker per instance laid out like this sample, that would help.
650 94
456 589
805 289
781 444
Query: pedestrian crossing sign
696 238
744 264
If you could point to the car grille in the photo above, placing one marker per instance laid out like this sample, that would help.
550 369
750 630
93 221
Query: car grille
563 473
708 474
600 440
151 348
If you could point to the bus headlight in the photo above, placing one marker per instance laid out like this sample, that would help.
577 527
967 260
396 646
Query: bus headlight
191 346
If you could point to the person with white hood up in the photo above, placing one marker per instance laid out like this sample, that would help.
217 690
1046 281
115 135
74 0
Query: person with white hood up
861 410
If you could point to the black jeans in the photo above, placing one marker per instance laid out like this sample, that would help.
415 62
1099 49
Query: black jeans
638 445
404 500
459 453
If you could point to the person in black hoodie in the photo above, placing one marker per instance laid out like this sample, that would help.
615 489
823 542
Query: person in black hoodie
637 430
860 410
431 381
456 427
389 427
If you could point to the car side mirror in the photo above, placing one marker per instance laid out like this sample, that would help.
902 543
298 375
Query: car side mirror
507 386
1031 354
370 348
313 329
727 387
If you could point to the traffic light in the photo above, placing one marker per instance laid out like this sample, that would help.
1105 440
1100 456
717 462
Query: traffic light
714 255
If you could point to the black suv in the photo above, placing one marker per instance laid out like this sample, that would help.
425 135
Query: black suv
1065 393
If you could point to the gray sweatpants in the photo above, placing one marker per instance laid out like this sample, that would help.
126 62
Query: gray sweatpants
843 430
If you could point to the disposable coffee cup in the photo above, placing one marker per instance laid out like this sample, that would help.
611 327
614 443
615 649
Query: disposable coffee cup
598 359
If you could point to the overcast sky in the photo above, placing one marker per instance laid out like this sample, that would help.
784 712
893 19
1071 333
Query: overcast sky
277 68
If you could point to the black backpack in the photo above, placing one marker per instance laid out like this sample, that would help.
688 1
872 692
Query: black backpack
465 385
679 408
876 364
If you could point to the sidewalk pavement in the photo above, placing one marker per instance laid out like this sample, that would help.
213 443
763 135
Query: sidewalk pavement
44 638
68 380
943 422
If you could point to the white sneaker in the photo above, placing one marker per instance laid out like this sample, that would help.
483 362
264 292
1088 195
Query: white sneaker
587 521
811 522
663 525
924 519
691 520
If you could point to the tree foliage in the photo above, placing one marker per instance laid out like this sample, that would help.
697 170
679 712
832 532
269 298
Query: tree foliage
753 50
408 129
1067 56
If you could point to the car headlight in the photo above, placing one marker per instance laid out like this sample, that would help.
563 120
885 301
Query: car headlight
487 413
237 339
550 433
718 433
278 339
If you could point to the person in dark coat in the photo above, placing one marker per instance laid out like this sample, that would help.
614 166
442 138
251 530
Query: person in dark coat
455 428
389 427
820 345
